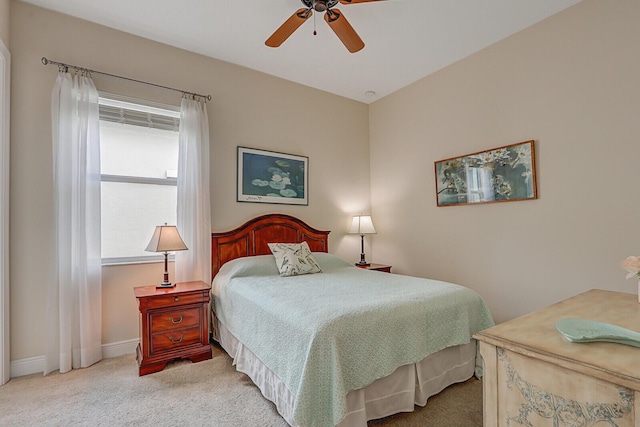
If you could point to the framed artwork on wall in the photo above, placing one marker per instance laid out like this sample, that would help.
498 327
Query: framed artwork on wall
272 177
503 174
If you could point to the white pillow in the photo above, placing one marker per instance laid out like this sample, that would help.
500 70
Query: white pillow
294 259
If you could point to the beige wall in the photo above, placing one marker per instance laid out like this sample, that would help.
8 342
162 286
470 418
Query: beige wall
248 108
571 83
4 21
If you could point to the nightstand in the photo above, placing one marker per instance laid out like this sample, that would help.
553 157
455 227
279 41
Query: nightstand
173 325
376 267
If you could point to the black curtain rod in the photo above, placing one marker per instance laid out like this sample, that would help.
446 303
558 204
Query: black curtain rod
46 61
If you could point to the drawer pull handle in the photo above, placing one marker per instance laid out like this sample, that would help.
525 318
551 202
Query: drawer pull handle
176 341
175 322
176 299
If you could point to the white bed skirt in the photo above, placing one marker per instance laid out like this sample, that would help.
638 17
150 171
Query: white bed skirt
408 386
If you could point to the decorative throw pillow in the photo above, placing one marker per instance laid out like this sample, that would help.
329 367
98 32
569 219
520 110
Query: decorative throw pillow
294 259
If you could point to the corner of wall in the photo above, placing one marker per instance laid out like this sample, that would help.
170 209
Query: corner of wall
5 21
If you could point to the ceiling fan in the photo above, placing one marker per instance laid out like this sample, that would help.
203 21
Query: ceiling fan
334 18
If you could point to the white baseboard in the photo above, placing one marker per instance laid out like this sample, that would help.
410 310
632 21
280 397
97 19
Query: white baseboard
34 365
28 366
120 348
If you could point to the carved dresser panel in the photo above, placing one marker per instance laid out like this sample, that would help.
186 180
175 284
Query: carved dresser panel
533 376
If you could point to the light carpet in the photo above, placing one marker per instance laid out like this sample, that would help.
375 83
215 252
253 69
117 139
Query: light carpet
209 393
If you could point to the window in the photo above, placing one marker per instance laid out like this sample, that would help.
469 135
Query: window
139 162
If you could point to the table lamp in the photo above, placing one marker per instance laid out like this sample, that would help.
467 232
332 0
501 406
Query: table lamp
166 239
362 224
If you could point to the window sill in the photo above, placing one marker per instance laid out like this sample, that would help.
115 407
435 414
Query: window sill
111 262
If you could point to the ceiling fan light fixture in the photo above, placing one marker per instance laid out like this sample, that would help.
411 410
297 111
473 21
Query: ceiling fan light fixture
320 5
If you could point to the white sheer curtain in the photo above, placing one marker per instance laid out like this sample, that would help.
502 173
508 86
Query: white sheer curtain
74 306
194 211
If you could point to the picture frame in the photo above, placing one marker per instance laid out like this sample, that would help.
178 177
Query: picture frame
503 174
271 177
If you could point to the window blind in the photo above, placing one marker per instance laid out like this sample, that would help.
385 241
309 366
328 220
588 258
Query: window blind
128 116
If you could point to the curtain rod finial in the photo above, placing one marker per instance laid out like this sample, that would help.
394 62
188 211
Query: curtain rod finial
45 61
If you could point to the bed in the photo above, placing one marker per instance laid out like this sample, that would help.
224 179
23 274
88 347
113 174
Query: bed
340 347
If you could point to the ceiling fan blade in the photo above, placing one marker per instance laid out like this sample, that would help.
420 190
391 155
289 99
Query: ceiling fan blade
357 1
289 26
343 30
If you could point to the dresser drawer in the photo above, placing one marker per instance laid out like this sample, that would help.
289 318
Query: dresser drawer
174 300
177 319
174 339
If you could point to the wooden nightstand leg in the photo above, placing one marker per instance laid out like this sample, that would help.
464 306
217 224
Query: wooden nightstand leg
204 355
145 368
151 368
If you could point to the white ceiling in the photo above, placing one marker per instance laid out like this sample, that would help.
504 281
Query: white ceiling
405 40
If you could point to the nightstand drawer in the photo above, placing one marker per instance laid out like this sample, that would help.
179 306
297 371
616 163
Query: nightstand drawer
174 300
178 319
174 339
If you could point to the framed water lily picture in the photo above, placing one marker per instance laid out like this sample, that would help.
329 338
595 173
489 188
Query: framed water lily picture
503 174
271 177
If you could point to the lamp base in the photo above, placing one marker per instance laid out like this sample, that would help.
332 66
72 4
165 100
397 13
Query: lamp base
165 282
363 261
165 285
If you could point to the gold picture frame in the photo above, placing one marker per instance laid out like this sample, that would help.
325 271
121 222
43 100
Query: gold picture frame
503 174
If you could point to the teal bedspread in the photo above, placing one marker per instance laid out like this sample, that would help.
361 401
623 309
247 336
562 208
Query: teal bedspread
329 333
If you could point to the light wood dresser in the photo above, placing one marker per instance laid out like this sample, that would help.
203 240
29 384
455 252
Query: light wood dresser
533 376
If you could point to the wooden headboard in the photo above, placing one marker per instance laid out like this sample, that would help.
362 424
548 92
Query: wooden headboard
252 237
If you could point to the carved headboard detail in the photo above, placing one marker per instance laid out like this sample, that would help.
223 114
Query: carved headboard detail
252 237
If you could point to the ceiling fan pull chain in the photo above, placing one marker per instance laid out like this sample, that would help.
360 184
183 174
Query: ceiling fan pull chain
314 25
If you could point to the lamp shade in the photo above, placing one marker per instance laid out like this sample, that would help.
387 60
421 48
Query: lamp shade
362 224
166 239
